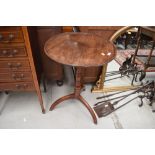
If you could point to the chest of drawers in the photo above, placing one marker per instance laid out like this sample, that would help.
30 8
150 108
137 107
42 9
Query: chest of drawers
18 60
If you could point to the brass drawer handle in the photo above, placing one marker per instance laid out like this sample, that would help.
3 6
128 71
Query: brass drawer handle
23 86
4 52
10 38
18 64
10 65
17 86
15 65
13 53
10 53
20 77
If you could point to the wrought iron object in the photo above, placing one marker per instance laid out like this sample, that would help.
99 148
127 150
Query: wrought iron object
151 93
107 107
105 96
127 69
123 70
115 102
143 75
148 90
127 62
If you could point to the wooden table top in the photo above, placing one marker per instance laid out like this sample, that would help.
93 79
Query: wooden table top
79 49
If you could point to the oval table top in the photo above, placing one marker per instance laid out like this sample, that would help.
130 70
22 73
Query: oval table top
79 49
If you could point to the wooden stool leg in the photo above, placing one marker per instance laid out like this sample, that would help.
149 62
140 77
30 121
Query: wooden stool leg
84 102
70 96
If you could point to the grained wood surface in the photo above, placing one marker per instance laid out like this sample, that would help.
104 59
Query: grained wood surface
80 49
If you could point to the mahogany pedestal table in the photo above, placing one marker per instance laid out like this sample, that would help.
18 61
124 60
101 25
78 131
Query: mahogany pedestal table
79 50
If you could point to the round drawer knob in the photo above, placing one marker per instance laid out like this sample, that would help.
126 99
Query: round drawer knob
22 75
9 64
15 51
18 64
11 36
13 75
17 86
4 52
25 85
12 53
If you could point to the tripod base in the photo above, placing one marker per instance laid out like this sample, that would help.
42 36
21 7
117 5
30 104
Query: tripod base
79 97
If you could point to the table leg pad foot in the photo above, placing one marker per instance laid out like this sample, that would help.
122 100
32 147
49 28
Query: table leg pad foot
43 111
84 102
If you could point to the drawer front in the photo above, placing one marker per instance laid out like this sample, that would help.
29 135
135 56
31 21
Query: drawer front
12 52
11 36
16 65
20 86
15 77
